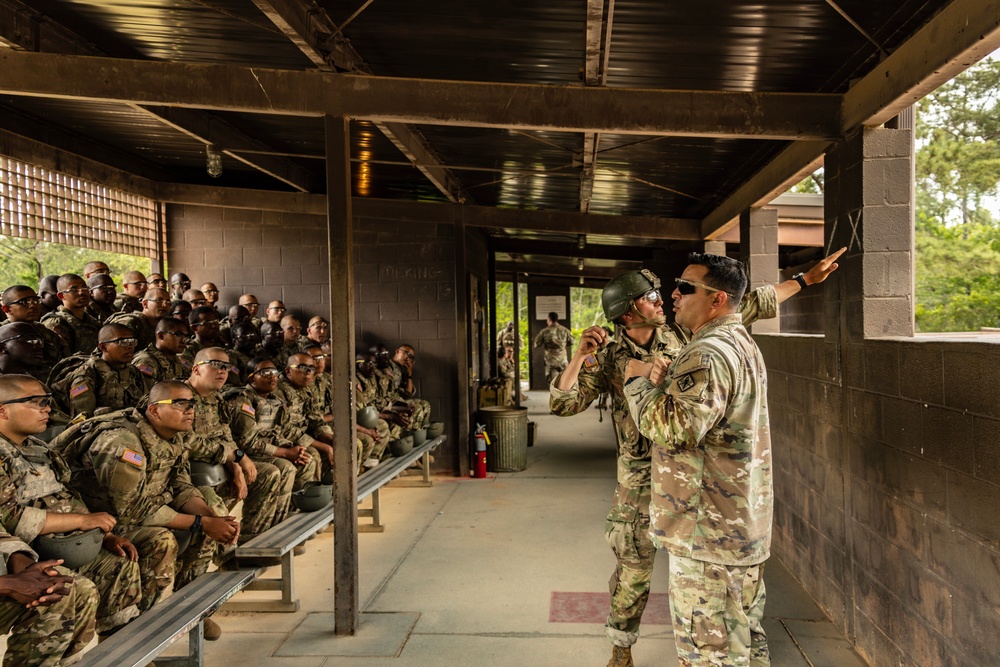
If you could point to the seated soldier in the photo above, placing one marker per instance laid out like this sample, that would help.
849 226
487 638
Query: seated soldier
48 611
317 332
162 360
305 425
257 420
108 381
136 468
250 302
179 283
391 422
95 268
212 442
71 319
21 304
290 330
236 314
158 281
155 305
204 323
272 339
102 296
246 346
401 369
48 292
211 293
22 351
179 309
34 501
195 297
388 384
275 311
134 287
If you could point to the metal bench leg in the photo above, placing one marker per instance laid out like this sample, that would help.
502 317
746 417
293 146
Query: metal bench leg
196 645
427 468
375 513
288 582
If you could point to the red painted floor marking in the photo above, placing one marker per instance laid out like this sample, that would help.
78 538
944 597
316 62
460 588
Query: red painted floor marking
593 608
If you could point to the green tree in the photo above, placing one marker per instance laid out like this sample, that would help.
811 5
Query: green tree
505 314
956 234
27 261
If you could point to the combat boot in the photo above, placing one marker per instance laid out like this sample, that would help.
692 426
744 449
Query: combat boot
621 656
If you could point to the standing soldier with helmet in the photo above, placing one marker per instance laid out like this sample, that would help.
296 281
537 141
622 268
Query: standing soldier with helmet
633 303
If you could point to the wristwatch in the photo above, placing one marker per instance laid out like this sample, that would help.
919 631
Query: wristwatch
196 526
798 277
238 455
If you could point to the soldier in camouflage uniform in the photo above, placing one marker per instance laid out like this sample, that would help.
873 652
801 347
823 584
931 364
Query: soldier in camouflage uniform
508 337
246 346
257 422
22 351
135 466
712 493
317 332
272 339
401 370
557 343
390 424
48 611
102 297
155 304
211 441
632 302
204 322
290 329
250 302
387 380
108 381
305 425
21 304
129 300
35 501
179 284
162 360
71 320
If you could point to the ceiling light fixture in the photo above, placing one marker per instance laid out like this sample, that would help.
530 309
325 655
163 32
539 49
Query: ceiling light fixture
579 264
213 161
581 280
581 241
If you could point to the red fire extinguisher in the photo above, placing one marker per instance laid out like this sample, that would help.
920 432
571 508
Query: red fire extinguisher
479 461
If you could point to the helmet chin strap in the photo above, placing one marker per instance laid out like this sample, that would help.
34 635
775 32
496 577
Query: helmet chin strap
658 321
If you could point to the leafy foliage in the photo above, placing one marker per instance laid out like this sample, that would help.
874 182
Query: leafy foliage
27 261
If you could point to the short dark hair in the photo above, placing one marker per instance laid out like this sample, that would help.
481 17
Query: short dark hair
195 315
724 273
554 316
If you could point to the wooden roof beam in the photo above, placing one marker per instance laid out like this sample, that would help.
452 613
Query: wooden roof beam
435 102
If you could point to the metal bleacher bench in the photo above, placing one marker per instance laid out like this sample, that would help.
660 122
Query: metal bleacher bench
279 541
142 640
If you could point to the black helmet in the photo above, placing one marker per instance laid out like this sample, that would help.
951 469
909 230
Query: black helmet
77 549
619 293
313 497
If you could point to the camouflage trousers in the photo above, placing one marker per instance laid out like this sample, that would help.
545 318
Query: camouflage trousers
261 504
553 368
421 413
119 588
384 436
157 549
292 478
627 531
50 636
717 612
202 551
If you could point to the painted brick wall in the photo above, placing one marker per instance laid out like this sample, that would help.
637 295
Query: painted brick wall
887 457
404 282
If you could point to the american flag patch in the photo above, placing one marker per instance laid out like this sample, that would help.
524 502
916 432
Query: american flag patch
145 370
247 408
78 389
590 361
185 363
135 458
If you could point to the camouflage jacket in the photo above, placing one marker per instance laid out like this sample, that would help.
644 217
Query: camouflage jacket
211 439
95 384
322 389
32 483
134 474
155 366
257 421
126 303
505 367
280 357
80 333
366 392
712 494
557 342
305 420
238 361
100 311
387 384
141 327
603 373
507 338
56 348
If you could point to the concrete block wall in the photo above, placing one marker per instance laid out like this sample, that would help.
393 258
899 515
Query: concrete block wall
887 456
404 282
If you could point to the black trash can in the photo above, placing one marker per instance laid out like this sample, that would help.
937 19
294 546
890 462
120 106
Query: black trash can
508 431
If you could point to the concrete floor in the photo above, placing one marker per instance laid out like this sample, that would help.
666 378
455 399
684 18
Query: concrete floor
511 570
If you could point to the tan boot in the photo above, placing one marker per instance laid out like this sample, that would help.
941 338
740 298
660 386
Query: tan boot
621 656
212 631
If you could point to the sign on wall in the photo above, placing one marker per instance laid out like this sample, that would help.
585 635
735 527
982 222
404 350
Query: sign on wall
550 304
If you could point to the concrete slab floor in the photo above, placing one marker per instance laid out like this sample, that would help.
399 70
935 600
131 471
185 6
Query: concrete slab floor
510 570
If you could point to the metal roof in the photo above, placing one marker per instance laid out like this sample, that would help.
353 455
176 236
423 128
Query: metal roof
772 46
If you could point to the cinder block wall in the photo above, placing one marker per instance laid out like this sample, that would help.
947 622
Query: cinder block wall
887 480
404 282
